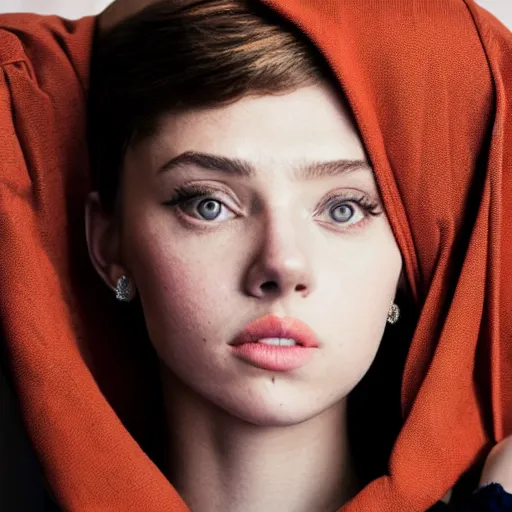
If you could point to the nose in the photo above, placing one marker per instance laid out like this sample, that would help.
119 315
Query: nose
281 265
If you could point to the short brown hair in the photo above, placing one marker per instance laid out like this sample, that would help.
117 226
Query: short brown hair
176 55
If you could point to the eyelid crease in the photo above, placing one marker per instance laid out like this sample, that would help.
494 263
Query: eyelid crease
353 196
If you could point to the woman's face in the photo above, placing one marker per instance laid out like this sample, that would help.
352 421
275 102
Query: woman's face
271 239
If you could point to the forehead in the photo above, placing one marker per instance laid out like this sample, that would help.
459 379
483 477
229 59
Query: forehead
307 125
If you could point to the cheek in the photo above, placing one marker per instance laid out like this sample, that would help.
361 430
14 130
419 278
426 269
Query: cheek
354 312
184 291
362 283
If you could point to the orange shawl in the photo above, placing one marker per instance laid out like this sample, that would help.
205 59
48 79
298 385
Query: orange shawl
430 85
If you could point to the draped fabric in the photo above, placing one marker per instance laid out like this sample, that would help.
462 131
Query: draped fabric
430 86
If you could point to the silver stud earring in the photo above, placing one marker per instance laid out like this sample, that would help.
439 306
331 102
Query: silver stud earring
393 314
125 290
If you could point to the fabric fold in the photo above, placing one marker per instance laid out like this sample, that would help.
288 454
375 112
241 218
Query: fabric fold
429 83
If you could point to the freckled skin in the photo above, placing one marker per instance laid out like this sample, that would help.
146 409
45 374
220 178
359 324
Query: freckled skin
201 280
209 283
275 248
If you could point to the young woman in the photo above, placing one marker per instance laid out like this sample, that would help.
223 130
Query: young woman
339 192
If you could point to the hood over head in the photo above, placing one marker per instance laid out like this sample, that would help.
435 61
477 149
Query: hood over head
429 84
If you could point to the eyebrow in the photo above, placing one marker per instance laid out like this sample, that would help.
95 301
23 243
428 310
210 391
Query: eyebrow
242 168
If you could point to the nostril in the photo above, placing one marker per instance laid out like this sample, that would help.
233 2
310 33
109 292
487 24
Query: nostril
269 286
272 286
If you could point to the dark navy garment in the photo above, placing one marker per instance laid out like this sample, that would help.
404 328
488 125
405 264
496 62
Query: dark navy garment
490 498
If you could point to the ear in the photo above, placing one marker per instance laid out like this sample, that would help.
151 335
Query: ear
103 241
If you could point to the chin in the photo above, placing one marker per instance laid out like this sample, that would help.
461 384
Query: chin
274 413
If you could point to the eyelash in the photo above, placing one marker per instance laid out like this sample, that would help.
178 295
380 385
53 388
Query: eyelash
186 194
338 199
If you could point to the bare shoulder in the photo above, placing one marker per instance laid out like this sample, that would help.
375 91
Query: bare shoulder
498 466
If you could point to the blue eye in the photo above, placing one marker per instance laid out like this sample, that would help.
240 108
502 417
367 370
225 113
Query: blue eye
198 201
349 210
211 208
346 212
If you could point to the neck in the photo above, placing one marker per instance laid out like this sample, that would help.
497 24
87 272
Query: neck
218 462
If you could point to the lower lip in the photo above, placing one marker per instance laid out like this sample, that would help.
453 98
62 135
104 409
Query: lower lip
276 358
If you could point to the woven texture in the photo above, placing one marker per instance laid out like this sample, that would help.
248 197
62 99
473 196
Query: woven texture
430 85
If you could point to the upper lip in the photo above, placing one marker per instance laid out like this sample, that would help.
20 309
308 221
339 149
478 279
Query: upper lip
273 326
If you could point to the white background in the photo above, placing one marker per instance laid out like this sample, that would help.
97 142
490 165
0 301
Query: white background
502 9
